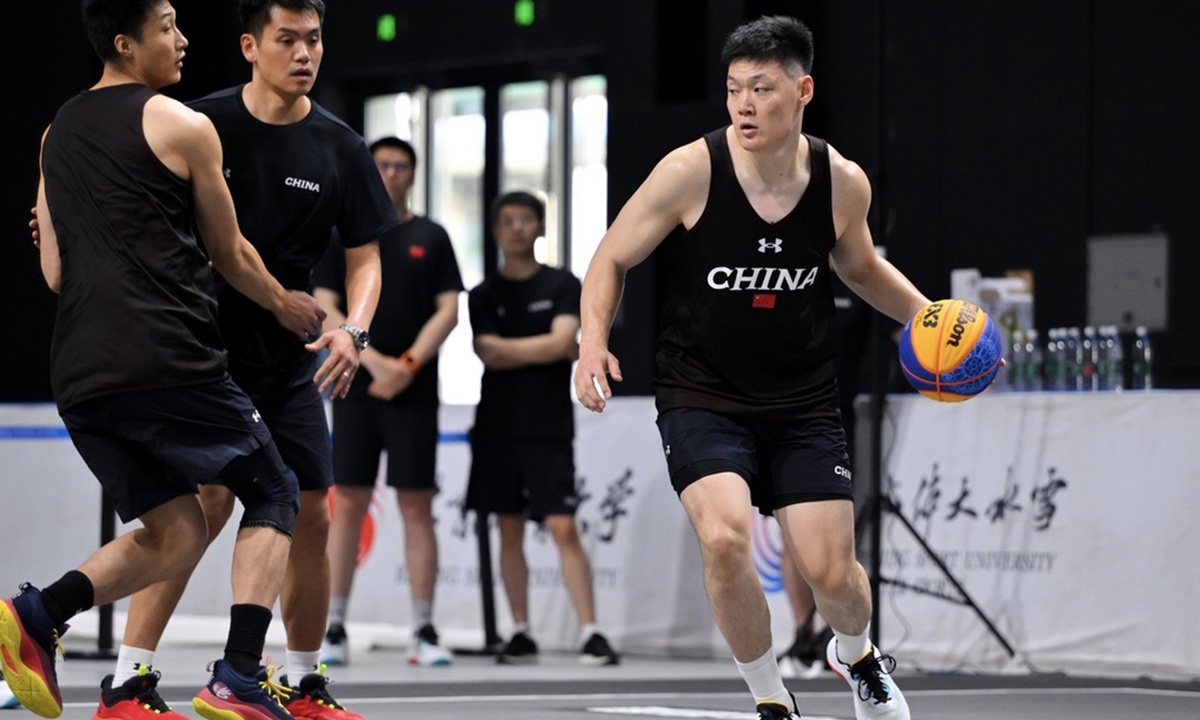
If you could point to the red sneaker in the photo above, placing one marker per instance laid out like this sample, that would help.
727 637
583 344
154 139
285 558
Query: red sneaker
312 701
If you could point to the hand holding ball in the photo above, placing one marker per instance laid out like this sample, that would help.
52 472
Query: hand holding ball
950 351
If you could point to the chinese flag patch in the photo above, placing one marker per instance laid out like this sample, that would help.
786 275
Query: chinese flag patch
416 251
764 300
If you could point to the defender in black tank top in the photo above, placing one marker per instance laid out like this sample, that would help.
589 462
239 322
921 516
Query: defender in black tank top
747 315
139 368
136 308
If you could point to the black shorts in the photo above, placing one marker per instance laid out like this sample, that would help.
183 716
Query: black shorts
532 477
364 428
784 463
295 413
150 447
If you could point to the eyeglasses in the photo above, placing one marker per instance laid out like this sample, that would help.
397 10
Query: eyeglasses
396 167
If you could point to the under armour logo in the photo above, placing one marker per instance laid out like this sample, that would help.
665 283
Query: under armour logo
228 172
256 417
763 245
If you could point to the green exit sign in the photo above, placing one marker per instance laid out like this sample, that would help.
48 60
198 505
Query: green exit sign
385 28
524 12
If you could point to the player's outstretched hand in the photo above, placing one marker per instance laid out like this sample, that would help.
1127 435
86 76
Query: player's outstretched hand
339 368
592 377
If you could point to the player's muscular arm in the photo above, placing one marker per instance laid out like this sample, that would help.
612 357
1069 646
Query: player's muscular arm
186 142
674 193
501 353
854 258
47 239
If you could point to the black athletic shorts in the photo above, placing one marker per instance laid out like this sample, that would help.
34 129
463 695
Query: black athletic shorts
364 428
295 413
784 463
152 446
531 477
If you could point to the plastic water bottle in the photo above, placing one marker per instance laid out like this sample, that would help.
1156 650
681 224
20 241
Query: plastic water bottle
1103 376
1033 367
1054 366
1072 379
1115 365
1086 359
1143 361
1018 358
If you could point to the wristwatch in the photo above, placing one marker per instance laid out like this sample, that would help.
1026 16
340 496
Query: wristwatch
361 337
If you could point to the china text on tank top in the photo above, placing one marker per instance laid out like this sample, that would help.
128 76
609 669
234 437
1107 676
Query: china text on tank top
747 320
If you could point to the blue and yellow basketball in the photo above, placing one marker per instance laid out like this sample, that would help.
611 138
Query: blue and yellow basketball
950 351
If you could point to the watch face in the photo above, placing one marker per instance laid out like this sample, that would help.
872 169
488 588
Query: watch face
363 339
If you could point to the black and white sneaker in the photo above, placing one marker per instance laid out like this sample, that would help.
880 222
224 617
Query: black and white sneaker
520 650
876 695
597 652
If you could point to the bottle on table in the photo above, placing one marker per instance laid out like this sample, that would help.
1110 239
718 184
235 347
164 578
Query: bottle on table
1032 379
1143 360
1086 357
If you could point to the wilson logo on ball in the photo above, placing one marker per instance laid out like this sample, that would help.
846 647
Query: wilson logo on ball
950 351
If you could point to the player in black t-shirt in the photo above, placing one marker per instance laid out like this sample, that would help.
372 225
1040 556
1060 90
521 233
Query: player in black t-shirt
524 320
394 405
746 379
138 367
296 173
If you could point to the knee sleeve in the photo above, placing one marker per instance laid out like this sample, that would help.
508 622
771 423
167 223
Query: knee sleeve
268 490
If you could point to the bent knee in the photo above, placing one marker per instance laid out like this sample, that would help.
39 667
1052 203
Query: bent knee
724 542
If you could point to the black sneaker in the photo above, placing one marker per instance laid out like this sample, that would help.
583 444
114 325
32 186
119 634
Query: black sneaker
335 648
520 650
777 711
803 649
597 652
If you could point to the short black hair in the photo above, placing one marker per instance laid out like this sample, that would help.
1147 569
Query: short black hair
391 141
255 14
783 39
104 20
522 198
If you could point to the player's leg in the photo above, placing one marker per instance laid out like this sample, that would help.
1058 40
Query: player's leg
712 460
411 436
812 489
357 443
549 471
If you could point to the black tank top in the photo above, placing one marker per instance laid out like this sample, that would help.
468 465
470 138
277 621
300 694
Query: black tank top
136 308
748 325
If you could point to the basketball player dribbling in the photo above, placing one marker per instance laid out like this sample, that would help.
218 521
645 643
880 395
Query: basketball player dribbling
746 362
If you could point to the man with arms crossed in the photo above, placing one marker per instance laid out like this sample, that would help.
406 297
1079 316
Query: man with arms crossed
747 358
137 363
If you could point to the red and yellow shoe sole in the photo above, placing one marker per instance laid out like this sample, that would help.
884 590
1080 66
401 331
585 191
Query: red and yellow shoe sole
27 668
209 706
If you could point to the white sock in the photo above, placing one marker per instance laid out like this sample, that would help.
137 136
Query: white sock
763 678
337 610
300 664
852 648
587 631
521 628
422 613
129 659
